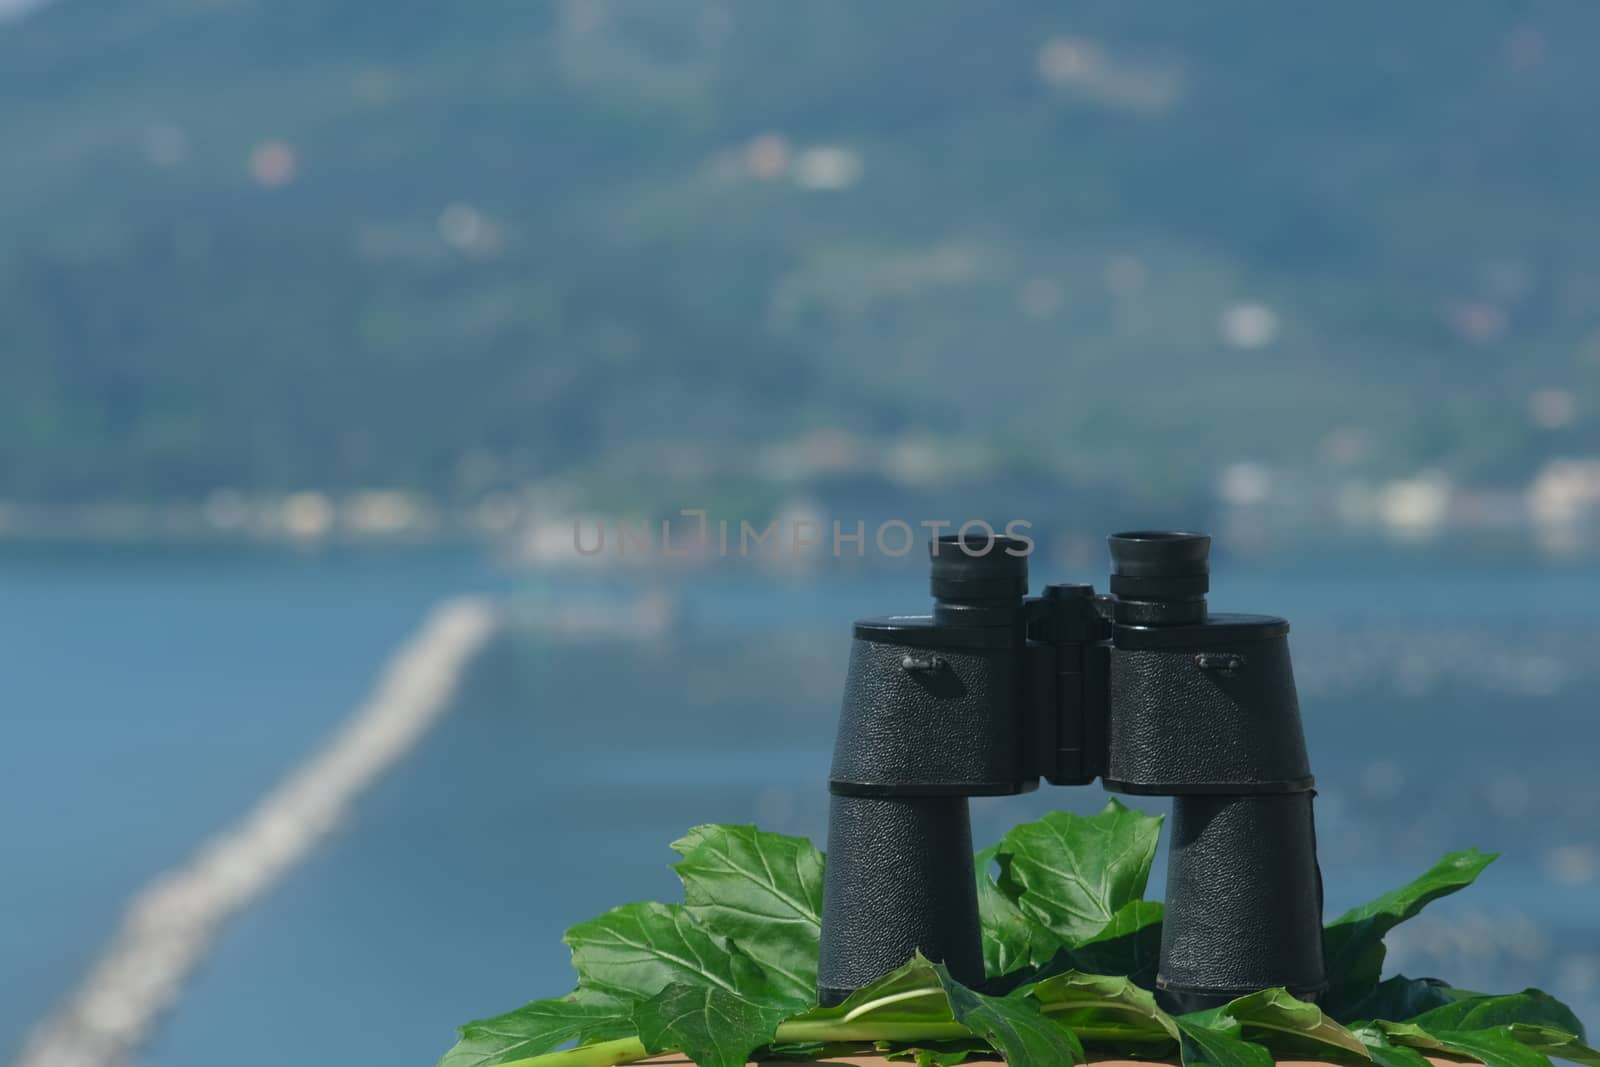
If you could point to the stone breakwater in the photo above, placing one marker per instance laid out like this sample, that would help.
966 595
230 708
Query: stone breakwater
169 928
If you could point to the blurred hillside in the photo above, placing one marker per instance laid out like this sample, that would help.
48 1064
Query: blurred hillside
267 245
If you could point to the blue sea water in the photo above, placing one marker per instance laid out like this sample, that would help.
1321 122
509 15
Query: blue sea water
148 700
147 697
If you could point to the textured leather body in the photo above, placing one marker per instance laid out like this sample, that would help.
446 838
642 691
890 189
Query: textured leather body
899 878
952 726
1174 724
1244 898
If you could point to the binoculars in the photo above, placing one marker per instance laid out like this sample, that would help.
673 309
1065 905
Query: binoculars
1145 690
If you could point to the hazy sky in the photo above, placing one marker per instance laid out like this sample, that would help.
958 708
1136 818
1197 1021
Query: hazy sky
12 8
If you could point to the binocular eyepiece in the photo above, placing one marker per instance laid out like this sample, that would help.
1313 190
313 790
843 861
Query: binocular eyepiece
978 579
1159 578
1144 689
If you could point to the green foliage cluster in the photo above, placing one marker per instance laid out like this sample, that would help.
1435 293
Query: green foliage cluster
1069 945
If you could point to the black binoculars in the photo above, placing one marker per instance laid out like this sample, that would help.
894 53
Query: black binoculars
1143 689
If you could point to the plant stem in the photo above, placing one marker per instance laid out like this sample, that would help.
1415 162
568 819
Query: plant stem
599 1054
827 1030
628 1049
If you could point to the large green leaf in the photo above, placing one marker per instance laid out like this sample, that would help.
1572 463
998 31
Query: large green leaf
635 951
710 1025
1532 1006
762 891
1011 940
1104 1008
1014 1025
907 1004
1218 1046
1515 1030
1386 1054
1288 1023
1409 1034
1552 1041
537 1028
1353 943
1495 1047
1130 944
1072 873
1395 998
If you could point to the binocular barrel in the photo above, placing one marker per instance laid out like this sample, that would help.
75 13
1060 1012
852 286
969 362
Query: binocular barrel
900 887
1146 690
1244 900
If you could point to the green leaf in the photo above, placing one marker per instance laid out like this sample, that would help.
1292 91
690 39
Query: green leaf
1130 944
1014 1025
1218 1046
711 1026
1353 943
1552 1041
1066 931
907 1004
635 951
1515 1030
1275 1014
1409 1034
1396 998
1476 1013
1386 1054
537 1028
1397 1056
1100 1007
1011 940
1072 873
762 891
1495 1047
909 992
